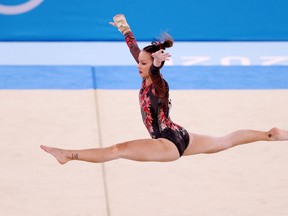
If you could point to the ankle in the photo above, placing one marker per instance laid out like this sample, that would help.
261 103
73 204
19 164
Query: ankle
276 134
74 156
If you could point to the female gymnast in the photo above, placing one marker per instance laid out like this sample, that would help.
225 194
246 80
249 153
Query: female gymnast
169 141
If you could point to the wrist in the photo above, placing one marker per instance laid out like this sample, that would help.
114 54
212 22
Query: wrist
125 31
157 63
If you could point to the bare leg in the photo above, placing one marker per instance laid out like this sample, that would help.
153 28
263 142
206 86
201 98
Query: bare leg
138 150
207 144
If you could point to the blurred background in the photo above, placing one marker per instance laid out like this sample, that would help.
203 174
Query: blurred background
68 80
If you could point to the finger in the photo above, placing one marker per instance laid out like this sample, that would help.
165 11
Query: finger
113 24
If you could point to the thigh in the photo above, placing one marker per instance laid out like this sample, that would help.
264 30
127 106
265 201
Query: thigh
203 144
161 150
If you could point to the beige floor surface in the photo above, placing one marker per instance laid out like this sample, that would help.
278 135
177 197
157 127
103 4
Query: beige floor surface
244 181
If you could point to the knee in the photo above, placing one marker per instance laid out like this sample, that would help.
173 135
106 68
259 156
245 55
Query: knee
114 149
119 149
227 143
223 144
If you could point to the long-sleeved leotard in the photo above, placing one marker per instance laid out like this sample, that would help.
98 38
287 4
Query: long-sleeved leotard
155 104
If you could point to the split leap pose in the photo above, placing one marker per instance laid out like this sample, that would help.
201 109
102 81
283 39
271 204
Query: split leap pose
169 141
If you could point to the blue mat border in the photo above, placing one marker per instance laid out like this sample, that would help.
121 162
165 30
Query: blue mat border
127 77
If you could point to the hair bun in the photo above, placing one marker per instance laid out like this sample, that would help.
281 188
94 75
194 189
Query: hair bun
168 40
167 43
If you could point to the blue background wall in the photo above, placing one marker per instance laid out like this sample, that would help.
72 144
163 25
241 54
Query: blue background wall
186 20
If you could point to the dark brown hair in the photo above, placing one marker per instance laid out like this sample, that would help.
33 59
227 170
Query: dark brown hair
156 45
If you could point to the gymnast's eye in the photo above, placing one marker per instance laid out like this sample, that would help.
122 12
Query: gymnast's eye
143 63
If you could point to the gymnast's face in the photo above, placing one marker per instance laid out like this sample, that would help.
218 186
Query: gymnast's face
145 62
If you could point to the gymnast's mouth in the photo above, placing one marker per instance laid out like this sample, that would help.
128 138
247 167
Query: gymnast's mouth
140 72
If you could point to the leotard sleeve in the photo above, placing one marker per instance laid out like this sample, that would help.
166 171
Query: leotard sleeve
132 44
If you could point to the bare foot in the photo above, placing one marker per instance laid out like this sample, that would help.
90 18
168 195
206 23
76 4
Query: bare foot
278 134
57 153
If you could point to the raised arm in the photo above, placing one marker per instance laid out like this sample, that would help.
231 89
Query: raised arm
160 85
122 25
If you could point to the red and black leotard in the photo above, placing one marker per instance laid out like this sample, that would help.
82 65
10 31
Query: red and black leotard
155 104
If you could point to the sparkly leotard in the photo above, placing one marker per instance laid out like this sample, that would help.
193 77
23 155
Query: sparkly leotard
155 104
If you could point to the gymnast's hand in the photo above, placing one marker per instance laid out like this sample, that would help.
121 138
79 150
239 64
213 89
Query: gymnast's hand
159 57
120 23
